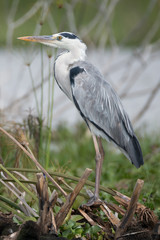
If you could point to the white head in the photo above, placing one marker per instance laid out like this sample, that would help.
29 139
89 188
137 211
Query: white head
65 40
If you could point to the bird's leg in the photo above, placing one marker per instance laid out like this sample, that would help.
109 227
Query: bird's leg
99 160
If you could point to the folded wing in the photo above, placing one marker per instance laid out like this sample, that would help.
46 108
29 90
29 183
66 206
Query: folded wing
101 107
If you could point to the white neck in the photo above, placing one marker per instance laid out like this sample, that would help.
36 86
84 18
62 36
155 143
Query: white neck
75 53
64 62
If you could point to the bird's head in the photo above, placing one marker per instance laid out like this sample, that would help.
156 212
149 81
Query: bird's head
65 40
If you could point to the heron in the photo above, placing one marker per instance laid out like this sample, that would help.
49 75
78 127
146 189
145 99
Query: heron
95 99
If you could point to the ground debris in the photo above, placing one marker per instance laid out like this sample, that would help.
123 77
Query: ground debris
138 221
6 224
125 220
136 231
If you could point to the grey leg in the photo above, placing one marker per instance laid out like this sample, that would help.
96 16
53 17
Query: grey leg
99 160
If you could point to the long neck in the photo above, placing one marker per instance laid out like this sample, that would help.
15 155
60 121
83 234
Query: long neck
75 53
64 62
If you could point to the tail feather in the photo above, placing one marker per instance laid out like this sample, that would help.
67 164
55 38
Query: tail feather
134 152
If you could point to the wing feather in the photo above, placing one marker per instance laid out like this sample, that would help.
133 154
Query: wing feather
99 104
98 101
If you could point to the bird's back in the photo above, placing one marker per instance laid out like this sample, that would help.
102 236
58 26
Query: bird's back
102 110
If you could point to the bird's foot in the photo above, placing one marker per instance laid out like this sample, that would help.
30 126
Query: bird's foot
93 202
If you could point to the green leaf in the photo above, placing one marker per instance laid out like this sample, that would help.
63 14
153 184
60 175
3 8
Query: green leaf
71 223
66 233
80 223
31 219
68 216
95 229
15 220
78 231
100 237
79 201
76 218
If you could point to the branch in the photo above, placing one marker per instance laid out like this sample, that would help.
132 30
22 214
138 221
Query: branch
131 209
71 198
148 103
34 160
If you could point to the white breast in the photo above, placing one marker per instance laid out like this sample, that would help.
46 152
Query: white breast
63 65
62 75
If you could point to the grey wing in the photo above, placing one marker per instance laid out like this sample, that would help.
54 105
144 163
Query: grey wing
102 109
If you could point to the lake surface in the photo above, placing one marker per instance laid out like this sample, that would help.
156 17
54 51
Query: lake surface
133 73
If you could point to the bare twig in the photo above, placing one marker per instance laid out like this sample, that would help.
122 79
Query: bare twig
70 16
28 14
85 215
11 16
152 32
125 200
53 198
60 179
141 23
28 211
116 208
113 219
95 20
71 198
34 160
46 220
148 102
26 179
132 234
131 209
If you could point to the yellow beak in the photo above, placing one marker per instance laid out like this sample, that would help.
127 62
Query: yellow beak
41 39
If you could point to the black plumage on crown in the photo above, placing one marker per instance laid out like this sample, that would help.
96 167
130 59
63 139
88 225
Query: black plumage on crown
68 35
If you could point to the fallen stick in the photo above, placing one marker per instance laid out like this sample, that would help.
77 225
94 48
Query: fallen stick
132 234
145 214
61 215
113 219
89 219
116 208
125 201
126 220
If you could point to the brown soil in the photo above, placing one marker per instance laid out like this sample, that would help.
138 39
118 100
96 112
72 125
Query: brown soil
140 231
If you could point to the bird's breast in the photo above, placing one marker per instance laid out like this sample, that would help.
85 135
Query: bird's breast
61 73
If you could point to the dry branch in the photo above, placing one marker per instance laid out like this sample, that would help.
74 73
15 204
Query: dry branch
85 215
131 209
148 102
125 200
71 198
46 220
34 160
116 208
53 198
113 219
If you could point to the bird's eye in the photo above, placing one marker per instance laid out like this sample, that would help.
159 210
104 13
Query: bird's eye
59 38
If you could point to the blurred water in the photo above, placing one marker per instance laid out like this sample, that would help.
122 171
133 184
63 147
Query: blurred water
120 67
